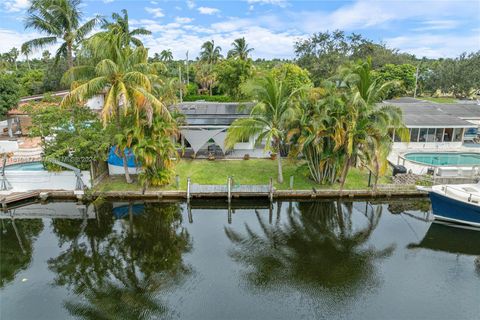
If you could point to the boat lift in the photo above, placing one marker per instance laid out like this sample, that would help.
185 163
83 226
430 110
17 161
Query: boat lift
78 173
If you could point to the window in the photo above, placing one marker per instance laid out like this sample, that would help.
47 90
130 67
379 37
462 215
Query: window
414 134
397 137
439 135
423 135
448 135
458 135
431 135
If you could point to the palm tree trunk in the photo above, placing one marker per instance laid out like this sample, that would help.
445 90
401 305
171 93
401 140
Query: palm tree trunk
69 55
345 169
377 170
125 167
279 163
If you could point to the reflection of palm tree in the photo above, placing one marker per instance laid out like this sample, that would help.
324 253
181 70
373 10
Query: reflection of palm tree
118 270
16 246
317 246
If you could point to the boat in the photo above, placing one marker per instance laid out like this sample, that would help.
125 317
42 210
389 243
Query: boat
459 203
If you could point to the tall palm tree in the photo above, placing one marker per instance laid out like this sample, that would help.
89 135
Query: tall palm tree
26 51
127 86
240 49
121 26
269 119
166 55
210 53
13 56
60 21
362 114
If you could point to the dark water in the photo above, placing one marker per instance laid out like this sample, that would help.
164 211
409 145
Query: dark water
299 260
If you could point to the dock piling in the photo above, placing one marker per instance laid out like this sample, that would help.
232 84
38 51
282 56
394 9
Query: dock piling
188 190
229 189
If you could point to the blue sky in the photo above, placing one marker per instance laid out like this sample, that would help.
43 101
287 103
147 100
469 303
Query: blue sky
426 28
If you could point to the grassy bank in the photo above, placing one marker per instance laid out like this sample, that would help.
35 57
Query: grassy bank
255 171
440 99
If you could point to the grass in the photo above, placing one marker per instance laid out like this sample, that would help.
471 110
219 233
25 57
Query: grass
254 171
440 99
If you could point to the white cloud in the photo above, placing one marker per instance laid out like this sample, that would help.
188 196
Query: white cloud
280 3
208 10
183 19
435 46
156 12
190 4
108 1
16 5
154 2
438 25
11 38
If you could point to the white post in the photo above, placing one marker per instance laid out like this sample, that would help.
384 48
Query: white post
188 190
229 189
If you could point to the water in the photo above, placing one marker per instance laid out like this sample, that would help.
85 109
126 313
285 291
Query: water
300 260
29 166
445 159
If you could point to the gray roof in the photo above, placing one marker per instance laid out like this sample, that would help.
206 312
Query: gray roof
201 113
419 113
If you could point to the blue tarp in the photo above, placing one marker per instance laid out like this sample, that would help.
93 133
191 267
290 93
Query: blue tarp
121 212
115 160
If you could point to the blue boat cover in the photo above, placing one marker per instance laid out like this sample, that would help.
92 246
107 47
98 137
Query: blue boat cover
115 160
122 211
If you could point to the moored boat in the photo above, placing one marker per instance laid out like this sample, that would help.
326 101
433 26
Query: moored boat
456 203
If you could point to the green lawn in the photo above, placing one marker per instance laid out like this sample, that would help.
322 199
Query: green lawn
254 171
440 99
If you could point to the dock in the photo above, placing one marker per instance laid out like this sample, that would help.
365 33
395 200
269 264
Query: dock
16 197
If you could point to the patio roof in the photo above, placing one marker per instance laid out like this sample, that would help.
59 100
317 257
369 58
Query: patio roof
201 113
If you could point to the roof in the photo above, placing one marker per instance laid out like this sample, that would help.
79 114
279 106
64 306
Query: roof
201 113
420 113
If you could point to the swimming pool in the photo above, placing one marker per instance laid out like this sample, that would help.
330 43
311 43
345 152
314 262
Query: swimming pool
445 159
28 166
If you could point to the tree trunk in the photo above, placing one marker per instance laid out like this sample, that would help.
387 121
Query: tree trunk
125 167
345 169
280 171
377 170
69 55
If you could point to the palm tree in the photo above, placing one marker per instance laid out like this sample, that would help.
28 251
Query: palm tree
240 49
269 119
26 51
210 53
166 55
45 56
127 86
205 76
362 114
13 56
60 21
121 26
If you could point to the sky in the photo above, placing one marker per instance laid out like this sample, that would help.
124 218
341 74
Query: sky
427 28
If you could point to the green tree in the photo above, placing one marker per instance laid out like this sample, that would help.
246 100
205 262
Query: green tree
60 21
13 56
210 53
231 74
120 26
9 93
292 76
404 74
240 49
166 55
269 119
26 51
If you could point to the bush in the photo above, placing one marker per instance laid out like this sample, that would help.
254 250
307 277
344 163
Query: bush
209 98
9 93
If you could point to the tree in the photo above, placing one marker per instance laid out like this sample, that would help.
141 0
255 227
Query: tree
121 26
292 76
26 51
205 76
166 55
60 21
231 74
210 53
9 93
269 119
240 49
78 134
46 56
404 74
31 82
363 119
126 85
13 56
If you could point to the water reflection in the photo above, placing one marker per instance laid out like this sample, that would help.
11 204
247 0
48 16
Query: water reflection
16 245
118 267
317 245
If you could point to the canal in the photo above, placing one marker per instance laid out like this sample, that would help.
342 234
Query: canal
293 260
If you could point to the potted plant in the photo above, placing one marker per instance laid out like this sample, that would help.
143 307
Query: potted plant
273 156
246 156
211 156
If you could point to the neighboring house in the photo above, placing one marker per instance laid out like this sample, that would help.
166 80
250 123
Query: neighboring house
435 125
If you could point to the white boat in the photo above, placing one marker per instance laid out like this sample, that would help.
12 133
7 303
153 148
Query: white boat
457 203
